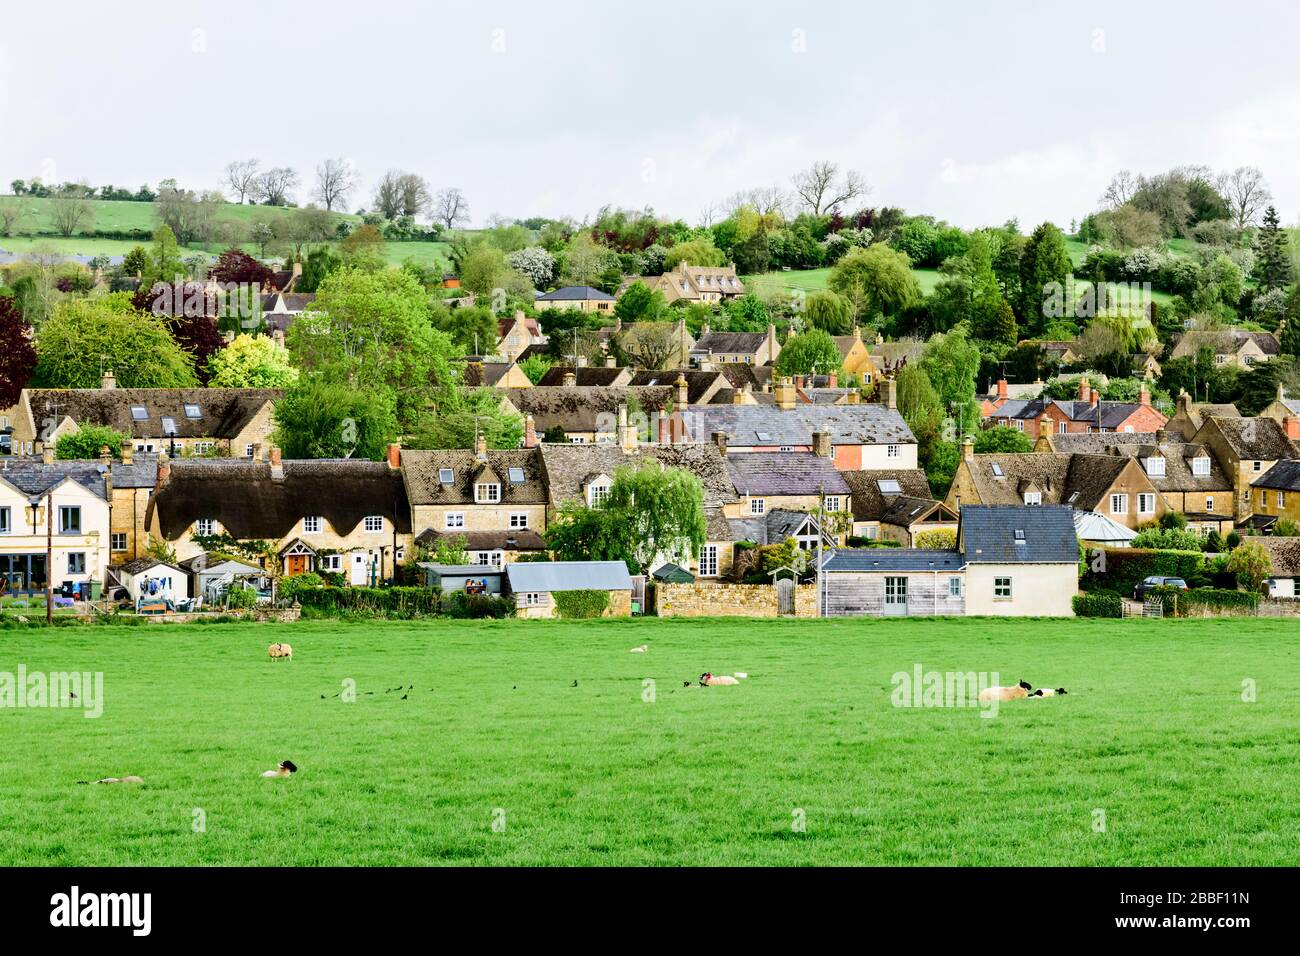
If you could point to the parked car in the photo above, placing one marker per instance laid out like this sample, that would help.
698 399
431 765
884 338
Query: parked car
1156 581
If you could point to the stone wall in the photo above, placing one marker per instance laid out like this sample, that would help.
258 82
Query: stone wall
729 600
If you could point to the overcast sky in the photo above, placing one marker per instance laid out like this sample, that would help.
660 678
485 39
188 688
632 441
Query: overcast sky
971 111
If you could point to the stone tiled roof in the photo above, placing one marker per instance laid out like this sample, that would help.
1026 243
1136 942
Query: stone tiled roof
223 412
585 376
518 539
568 467
1284 553
869 502
785 473
1178 456
580 409
422 471
866 424
1077 480
730 343
1259 438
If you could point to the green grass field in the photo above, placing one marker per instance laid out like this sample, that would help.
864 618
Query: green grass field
1154 733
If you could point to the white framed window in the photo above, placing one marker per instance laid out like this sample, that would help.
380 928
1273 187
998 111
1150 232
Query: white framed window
709 561
1156 467
1060 428
519 519
1201 465
597 495
205 526
1209 506
203 447
145 446
1281 500
1146 504
893 451
373 523
332 563
1257 465
1119 504
453 519
248 451
871 533
954 587
577 440
1020 424
118 541
6 525
832 503
532 598
1033 497
487 493
757 506
486 559
401 555
1002 589
312 524
1263 498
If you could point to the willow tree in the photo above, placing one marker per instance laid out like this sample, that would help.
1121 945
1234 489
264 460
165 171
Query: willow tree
663 508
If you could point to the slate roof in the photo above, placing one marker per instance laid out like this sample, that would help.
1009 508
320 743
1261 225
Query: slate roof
785 473
905 351
141 473
568 467
774 527
904 511
568 576
421 470
578 409
740 374
1103 414
987 534
576 293
1259 439
33 477
245 498
869 502
144 564
867 424
1284 476
700 385
892 560
1227 341
1077 480
224 412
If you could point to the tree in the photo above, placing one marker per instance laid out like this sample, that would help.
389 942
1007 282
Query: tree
88 441
1289 341
811 352
451 208
198 338
878 281
472 329
70 213
536 367
363 249
387 198
17 354
640 303
12 214
86 337
306 225
1002 440
463 415
372 330
821 188
275 186
241 178
415 195
238 267
1045 267
336 179
319 418
1246 193
535 264
697 252
952 361
320 262
1273 268
591 534
1251 564
1122 189
251 362
648 345
830 312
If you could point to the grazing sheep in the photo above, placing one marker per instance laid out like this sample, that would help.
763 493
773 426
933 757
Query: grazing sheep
1021 690
278 651
640 650
286 767
1048 692
722 680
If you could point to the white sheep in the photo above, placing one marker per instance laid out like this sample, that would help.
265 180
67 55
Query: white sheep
722 680
1021 690
280 651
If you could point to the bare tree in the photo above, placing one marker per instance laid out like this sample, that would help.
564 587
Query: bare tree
451 208
416 194
274 186
1123 186
241 178
335 181
12 214
1247 194
821 187
388 194
69 213
708 214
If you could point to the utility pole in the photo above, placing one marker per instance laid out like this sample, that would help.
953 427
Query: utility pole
821 517
49 557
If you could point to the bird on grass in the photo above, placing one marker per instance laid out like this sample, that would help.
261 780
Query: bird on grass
574 684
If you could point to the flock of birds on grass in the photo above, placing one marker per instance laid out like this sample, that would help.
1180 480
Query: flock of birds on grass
287 768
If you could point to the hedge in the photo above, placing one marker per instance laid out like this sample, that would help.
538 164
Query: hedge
461 605
580 604
1125 568
1098 604
376 602
1183 603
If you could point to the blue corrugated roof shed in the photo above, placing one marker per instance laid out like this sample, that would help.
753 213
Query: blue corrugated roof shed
568 576
893 559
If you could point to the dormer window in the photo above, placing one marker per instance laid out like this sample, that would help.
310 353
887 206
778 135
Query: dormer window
487 493
597 494
1156 467
1033 497
1201 465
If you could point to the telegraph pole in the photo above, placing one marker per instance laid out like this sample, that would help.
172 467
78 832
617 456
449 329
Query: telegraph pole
821 517
49 557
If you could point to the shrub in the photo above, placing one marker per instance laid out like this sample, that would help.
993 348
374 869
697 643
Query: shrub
1121 569
580 604
290 587
241 598
941 538
1098 604
1184 603
1169 539
461 605
398 602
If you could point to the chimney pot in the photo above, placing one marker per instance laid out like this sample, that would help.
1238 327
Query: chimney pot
108 380
1094 397
480 447
968 448
395 455
47 453
822 443
1003 390
891 393
1084 390
570 379
530 432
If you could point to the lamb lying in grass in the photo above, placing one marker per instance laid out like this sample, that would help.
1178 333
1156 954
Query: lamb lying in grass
1021 690
285 769
1048 692
641 649
127 779
722 680
279 651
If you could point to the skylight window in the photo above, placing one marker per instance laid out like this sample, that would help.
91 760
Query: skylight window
516 476
169 425
193 411
889 486
762 436
139 413
1020 536
445 476
997 470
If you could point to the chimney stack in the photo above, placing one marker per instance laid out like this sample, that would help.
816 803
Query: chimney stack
737 396
1144 396
128 452
164 470
395 455
822 443
611 362
276 461
833 380
720 439
627 436
1162 436
785 398
1004 391
47 453
772 347
855 396
570 379
108 379
683 392
1084 390
891 393
480 447
968 448
530 432
580 361
105 455
1094 397
277 336
1291 424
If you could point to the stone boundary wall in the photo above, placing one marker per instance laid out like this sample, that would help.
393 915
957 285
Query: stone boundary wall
720 599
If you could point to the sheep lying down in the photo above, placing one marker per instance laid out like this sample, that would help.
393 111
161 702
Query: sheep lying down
1047 692
721 680
1017 692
